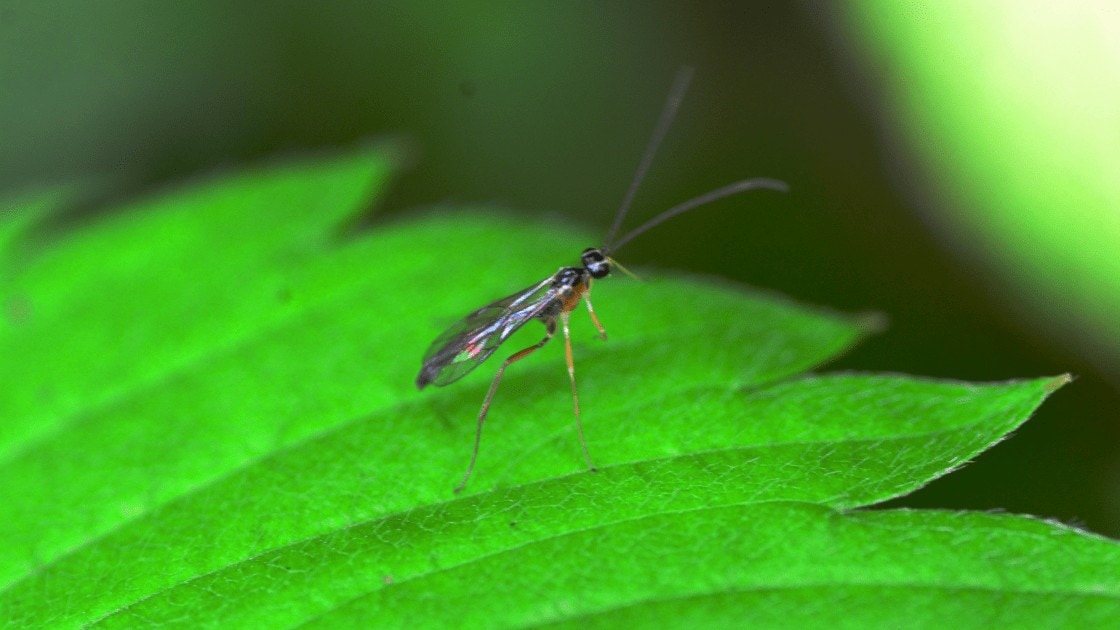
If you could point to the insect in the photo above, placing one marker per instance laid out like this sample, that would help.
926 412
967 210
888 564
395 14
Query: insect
464 346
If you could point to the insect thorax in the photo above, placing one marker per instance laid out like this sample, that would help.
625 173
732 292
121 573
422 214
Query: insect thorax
568 278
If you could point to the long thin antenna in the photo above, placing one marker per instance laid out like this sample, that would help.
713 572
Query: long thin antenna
672 104
696 202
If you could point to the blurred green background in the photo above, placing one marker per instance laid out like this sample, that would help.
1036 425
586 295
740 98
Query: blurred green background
952 164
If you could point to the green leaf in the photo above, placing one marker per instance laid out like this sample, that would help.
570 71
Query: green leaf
773 564
19 213
213 422
163 285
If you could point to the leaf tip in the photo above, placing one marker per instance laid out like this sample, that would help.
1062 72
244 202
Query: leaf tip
872 322
1058 382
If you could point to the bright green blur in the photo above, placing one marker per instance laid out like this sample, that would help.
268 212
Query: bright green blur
1015 109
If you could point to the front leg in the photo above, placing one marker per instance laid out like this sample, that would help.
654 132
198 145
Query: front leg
591 310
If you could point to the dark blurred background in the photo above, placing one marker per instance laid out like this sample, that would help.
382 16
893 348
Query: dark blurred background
546 108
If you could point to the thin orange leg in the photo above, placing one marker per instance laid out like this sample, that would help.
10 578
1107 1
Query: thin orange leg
587 298
575 393
513 358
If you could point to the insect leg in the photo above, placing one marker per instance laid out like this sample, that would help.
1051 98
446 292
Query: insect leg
587 298
517 356
575 394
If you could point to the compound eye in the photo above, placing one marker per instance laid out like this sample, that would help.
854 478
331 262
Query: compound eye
596 263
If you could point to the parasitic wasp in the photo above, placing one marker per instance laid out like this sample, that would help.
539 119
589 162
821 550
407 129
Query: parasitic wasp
464 346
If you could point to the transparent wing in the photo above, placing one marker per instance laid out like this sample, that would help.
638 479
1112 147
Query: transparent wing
464 346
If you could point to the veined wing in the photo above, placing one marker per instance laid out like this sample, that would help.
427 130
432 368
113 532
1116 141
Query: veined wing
464 346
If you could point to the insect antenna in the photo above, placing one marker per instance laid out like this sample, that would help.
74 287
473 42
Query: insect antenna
668 113
672 104
696 202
